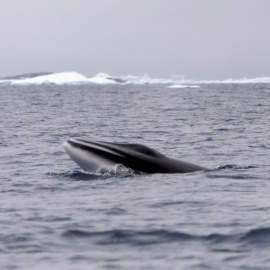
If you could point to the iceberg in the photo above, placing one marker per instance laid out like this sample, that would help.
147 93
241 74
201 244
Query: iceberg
183 86
236 81
102 78
145 79
56 78
63 78
71 78
246 80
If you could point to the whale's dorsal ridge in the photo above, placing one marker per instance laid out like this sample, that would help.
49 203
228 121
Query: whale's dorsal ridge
140 148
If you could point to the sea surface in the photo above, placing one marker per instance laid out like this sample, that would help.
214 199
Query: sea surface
55 216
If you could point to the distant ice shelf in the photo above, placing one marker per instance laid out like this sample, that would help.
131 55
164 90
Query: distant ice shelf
71 78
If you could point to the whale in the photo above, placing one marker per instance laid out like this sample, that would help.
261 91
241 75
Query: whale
92 156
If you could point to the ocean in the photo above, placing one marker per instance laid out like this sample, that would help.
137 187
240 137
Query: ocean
56 216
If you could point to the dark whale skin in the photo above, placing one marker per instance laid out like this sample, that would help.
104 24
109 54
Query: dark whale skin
138 157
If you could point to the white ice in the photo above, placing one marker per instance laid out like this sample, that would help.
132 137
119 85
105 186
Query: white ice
56 78
105 79
183 86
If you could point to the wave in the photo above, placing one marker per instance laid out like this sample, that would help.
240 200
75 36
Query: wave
253 237
257 236
75 78
236 167
112 237
119 170
78 175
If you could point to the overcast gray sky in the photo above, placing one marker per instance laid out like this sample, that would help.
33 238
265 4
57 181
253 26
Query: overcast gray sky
200 39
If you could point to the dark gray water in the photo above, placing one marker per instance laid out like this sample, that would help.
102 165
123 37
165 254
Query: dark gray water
53 215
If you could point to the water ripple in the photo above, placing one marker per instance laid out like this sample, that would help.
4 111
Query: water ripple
259 236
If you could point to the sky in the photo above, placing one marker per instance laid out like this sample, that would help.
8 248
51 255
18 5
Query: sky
197 39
